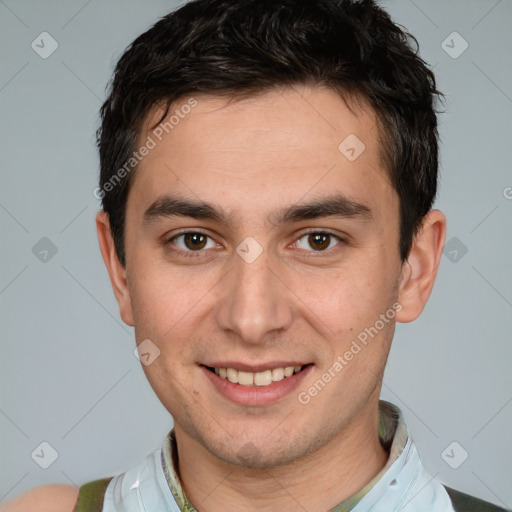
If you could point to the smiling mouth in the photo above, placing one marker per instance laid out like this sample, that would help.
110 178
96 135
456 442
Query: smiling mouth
257 379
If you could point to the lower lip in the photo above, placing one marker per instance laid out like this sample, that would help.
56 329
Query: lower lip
256 395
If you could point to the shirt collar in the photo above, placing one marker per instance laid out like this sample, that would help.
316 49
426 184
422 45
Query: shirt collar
392 435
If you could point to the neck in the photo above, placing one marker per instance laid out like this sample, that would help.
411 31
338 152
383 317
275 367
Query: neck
319 481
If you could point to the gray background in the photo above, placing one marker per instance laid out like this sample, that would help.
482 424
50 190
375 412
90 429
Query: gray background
68 374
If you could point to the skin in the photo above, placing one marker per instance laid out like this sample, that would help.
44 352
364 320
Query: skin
47 498
250 158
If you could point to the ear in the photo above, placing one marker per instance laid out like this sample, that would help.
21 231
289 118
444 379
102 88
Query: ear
116 271
420 270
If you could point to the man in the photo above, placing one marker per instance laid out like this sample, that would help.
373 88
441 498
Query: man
268 171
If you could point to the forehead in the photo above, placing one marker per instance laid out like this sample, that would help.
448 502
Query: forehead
281 144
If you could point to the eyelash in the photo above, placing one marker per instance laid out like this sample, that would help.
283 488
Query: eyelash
201 253
187 254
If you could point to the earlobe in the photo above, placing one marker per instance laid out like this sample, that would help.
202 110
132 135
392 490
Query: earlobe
116 271
420 270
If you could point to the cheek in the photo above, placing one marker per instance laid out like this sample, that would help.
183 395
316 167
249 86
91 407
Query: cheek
344 299
166 315
344 308
164 300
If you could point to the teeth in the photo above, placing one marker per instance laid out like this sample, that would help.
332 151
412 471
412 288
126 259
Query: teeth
277 374
232 375
264 378
245 378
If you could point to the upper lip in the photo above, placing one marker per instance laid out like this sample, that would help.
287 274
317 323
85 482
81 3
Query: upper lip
254 368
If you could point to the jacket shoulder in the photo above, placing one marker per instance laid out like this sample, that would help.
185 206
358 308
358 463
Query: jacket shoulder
465 503
91 496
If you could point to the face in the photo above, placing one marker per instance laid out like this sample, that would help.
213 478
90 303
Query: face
254 244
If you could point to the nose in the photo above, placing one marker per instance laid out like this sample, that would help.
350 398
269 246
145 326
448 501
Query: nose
254 302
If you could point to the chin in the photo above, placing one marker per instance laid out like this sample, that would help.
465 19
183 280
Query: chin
263 449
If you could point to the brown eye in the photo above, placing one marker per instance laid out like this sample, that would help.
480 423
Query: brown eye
319 241
194 241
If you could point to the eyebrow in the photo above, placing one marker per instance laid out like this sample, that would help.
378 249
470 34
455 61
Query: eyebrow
331 206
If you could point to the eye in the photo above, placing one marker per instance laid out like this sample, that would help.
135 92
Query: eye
192 241
318 241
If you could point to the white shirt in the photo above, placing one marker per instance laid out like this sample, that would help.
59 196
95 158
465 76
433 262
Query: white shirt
403 485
